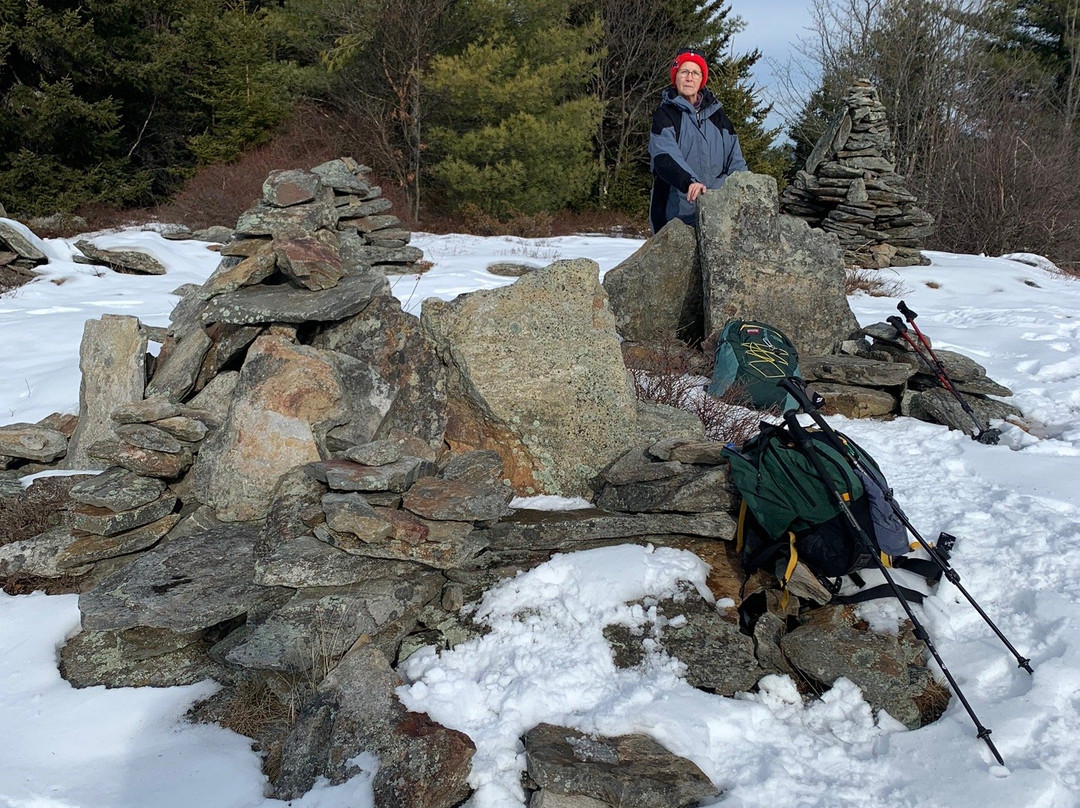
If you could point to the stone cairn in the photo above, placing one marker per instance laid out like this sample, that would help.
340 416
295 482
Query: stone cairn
290 503
849 186
879 375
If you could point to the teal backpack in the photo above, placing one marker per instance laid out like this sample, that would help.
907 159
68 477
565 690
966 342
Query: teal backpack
754 356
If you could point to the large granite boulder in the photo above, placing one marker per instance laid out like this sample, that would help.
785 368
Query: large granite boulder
656 293
408 380
760 265
536 374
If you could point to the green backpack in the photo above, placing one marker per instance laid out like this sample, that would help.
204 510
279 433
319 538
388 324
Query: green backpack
789 513
754 356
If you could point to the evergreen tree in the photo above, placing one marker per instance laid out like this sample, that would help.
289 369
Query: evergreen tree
515 121
640 39
115 100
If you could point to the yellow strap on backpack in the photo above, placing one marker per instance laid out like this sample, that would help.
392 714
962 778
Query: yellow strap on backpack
793 560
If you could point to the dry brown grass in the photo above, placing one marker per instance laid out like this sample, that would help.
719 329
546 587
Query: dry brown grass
28 584
874 282
37 509
253 709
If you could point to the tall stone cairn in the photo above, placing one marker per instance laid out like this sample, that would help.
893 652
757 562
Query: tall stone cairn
849 186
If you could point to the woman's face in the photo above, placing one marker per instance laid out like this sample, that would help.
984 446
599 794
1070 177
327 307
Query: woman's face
688 81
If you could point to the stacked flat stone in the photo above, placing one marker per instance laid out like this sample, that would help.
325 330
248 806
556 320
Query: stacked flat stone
849 186
880 375
335 203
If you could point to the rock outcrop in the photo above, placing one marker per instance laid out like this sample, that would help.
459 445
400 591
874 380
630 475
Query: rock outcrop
849 186
758 264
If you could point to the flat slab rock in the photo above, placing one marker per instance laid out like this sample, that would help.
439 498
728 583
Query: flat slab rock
565 530
118 489
131 262
187 585
630 771
287 304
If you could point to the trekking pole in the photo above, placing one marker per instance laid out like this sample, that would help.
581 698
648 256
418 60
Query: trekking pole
810 403
926 353
806 446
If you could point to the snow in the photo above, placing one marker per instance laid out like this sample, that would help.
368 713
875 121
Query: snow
1013 506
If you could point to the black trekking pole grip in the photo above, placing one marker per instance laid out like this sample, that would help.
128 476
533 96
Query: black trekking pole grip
904 310
806 446
897 323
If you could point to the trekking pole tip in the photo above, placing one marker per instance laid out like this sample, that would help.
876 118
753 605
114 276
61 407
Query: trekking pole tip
984 735
1025 664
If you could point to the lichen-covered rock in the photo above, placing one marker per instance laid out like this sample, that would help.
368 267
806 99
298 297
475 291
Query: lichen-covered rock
760 265
287 395
630 771
656 293
32 442
890 670
112 361
570 409
189 584
421 764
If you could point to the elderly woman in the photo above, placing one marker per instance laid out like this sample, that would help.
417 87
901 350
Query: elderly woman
693 146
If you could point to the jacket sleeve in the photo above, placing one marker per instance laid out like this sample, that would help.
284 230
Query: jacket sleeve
665 158
734 161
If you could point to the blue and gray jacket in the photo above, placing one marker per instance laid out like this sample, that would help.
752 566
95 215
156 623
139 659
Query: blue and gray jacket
688 145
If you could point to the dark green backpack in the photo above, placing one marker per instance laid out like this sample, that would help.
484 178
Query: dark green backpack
790 514
754 356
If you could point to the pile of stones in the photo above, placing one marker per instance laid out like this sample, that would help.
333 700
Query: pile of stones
18 256
849 186
880 375
307 484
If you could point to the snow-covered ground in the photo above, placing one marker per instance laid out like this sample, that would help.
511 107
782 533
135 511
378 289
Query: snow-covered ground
1014 507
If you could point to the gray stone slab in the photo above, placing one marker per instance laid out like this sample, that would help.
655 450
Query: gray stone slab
118 489
186 585
105 522
287 304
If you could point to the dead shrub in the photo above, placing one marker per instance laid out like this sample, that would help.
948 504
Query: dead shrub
28 584
37 509
1008 182
676 375
874 282
253 709
523 225
217 194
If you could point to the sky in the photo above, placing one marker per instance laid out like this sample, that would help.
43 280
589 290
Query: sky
773 27
1015 508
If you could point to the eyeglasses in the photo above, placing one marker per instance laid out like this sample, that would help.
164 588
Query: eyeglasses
692 73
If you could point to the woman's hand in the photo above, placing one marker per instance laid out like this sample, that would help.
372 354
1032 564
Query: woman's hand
695 190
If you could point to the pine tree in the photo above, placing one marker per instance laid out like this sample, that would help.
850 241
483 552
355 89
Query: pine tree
115 100
515 122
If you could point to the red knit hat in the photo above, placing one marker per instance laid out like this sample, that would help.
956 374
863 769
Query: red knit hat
690 55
